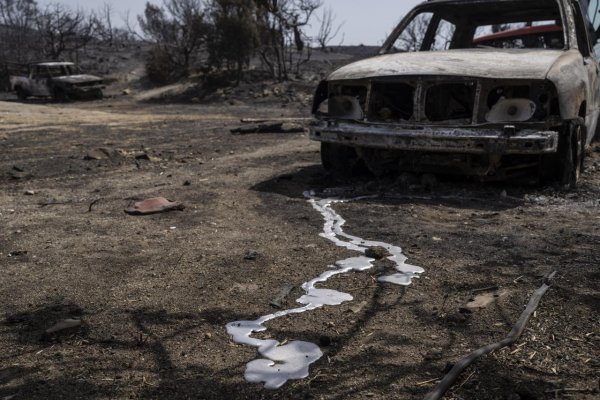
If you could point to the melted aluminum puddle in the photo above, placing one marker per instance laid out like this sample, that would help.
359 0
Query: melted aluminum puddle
281 363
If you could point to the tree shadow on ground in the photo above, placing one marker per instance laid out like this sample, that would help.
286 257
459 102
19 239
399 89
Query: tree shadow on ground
30 326
100 369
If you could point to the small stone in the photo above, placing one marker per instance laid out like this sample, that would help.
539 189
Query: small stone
357 308
64 326
377 252
457 318
147 157
187 183
102 153
483 301
251 255
126 92
29 193
208 335
434 354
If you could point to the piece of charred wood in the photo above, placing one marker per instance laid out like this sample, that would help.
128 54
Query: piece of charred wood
279 127
512 337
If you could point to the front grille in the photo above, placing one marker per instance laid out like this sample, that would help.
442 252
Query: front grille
443 100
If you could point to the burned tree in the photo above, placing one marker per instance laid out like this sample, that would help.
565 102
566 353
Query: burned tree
328 30
105 31
17 29
234 35
178 31
281 25
62 30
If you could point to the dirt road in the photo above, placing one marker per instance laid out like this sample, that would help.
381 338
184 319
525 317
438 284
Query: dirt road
156 292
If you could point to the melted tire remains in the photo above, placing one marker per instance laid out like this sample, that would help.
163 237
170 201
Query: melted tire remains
571 155
565 167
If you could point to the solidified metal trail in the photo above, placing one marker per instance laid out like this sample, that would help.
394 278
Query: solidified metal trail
281 363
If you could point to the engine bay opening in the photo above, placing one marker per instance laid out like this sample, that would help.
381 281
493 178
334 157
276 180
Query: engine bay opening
391 102
450 101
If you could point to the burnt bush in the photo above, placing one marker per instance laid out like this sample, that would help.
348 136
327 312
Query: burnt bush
234 35
160 69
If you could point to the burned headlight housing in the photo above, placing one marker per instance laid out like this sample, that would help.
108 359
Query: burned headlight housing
340 100
521 102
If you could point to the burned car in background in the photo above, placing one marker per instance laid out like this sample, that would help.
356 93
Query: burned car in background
492 88
59 80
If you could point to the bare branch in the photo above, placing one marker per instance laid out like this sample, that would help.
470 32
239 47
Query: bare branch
328 31
512 337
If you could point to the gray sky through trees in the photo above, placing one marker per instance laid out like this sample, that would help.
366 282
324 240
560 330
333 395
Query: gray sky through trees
366 21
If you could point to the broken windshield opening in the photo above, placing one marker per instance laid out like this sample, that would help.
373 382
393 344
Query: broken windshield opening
524 24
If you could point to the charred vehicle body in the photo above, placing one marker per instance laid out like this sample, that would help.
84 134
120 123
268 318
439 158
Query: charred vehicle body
59 80
492 88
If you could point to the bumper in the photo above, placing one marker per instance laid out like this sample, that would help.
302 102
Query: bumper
436 139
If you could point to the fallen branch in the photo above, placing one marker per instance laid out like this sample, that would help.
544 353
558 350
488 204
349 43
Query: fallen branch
263 120
279 127
428 382
92 204
512 337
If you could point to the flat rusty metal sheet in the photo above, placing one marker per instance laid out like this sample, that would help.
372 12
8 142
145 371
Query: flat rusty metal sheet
153 206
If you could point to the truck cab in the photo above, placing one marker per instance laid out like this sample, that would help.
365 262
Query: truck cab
59 80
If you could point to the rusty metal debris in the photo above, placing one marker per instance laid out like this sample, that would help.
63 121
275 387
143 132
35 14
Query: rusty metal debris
153 206
59 80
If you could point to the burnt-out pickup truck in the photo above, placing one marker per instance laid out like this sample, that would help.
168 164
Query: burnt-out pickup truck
59 80
492 88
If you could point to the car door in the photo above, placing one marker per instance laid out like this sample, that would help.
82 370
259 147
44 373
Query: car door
39 81
587 14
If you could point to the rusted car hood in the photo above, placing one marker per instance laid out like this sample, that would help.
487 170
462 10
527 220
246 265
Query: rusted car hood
480 63
75 79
